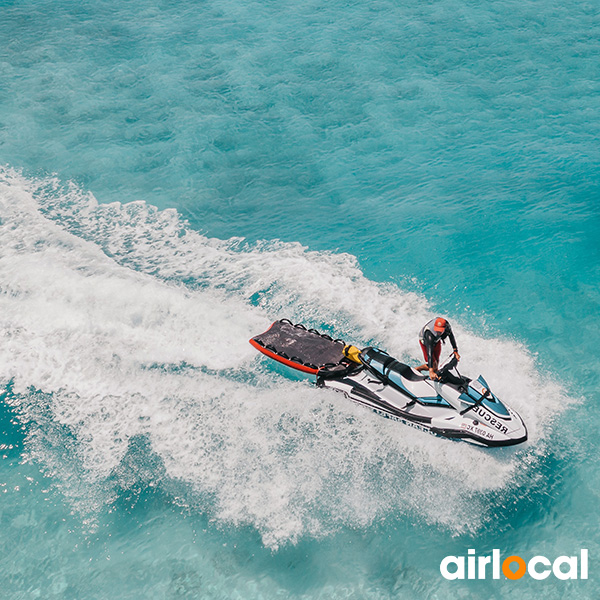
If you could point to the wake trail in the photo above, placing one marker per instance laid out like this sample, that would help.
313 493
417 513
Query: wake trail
121 322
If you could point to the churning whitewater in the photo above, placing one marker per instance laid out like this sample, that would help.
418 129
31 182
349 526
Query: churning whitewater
125 343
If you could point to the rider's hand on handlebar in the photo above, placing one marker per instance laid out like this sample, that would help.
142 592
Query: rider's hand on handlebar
433 375
457 355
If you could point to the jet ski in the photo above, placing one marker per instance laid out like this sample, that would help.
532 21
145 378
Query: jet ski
454 407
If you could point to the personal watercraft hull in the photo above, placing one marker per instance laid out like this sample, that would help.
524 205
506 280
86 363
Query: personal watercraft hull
465 411
438 416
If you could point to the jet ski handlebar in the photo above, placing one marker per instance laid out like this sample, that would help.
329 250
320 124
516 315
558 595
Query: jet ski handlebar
448 366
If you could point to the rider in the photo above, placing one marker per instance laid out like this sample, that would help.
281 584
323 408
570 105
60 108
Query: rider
431 337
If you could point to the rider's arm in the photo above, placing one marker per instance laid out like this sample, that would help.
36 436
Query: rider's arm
429 343
452 338
453 342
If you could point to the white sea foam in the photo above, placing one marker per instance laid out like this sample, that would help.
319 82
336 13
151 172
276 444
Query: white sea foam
120 321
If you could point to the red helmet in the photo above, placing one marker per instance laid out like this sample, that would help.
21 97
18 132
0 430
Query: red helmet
440 324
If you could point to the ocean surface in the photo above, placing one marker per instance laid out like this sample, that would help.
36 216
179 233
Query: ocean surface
174 176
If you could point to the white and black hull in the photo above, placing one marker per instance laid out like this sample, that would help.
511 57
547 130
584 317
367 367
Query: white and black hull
479 425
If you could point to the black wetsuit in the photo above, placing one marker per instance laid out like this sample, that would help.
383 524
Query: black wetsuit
431 338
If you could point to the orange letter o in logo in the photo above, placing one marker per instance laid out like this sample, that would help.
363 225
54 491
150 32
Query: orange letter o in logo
508 572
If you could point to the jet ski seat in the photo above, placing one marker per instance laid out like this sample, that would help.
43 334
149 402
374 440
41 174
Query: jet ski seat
408 372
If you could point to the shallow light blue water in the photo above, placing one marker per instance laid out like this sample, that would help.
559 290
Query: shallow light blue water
382 162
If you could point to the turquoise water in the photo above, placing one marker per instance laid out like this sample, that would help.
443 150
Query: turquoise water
175 176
